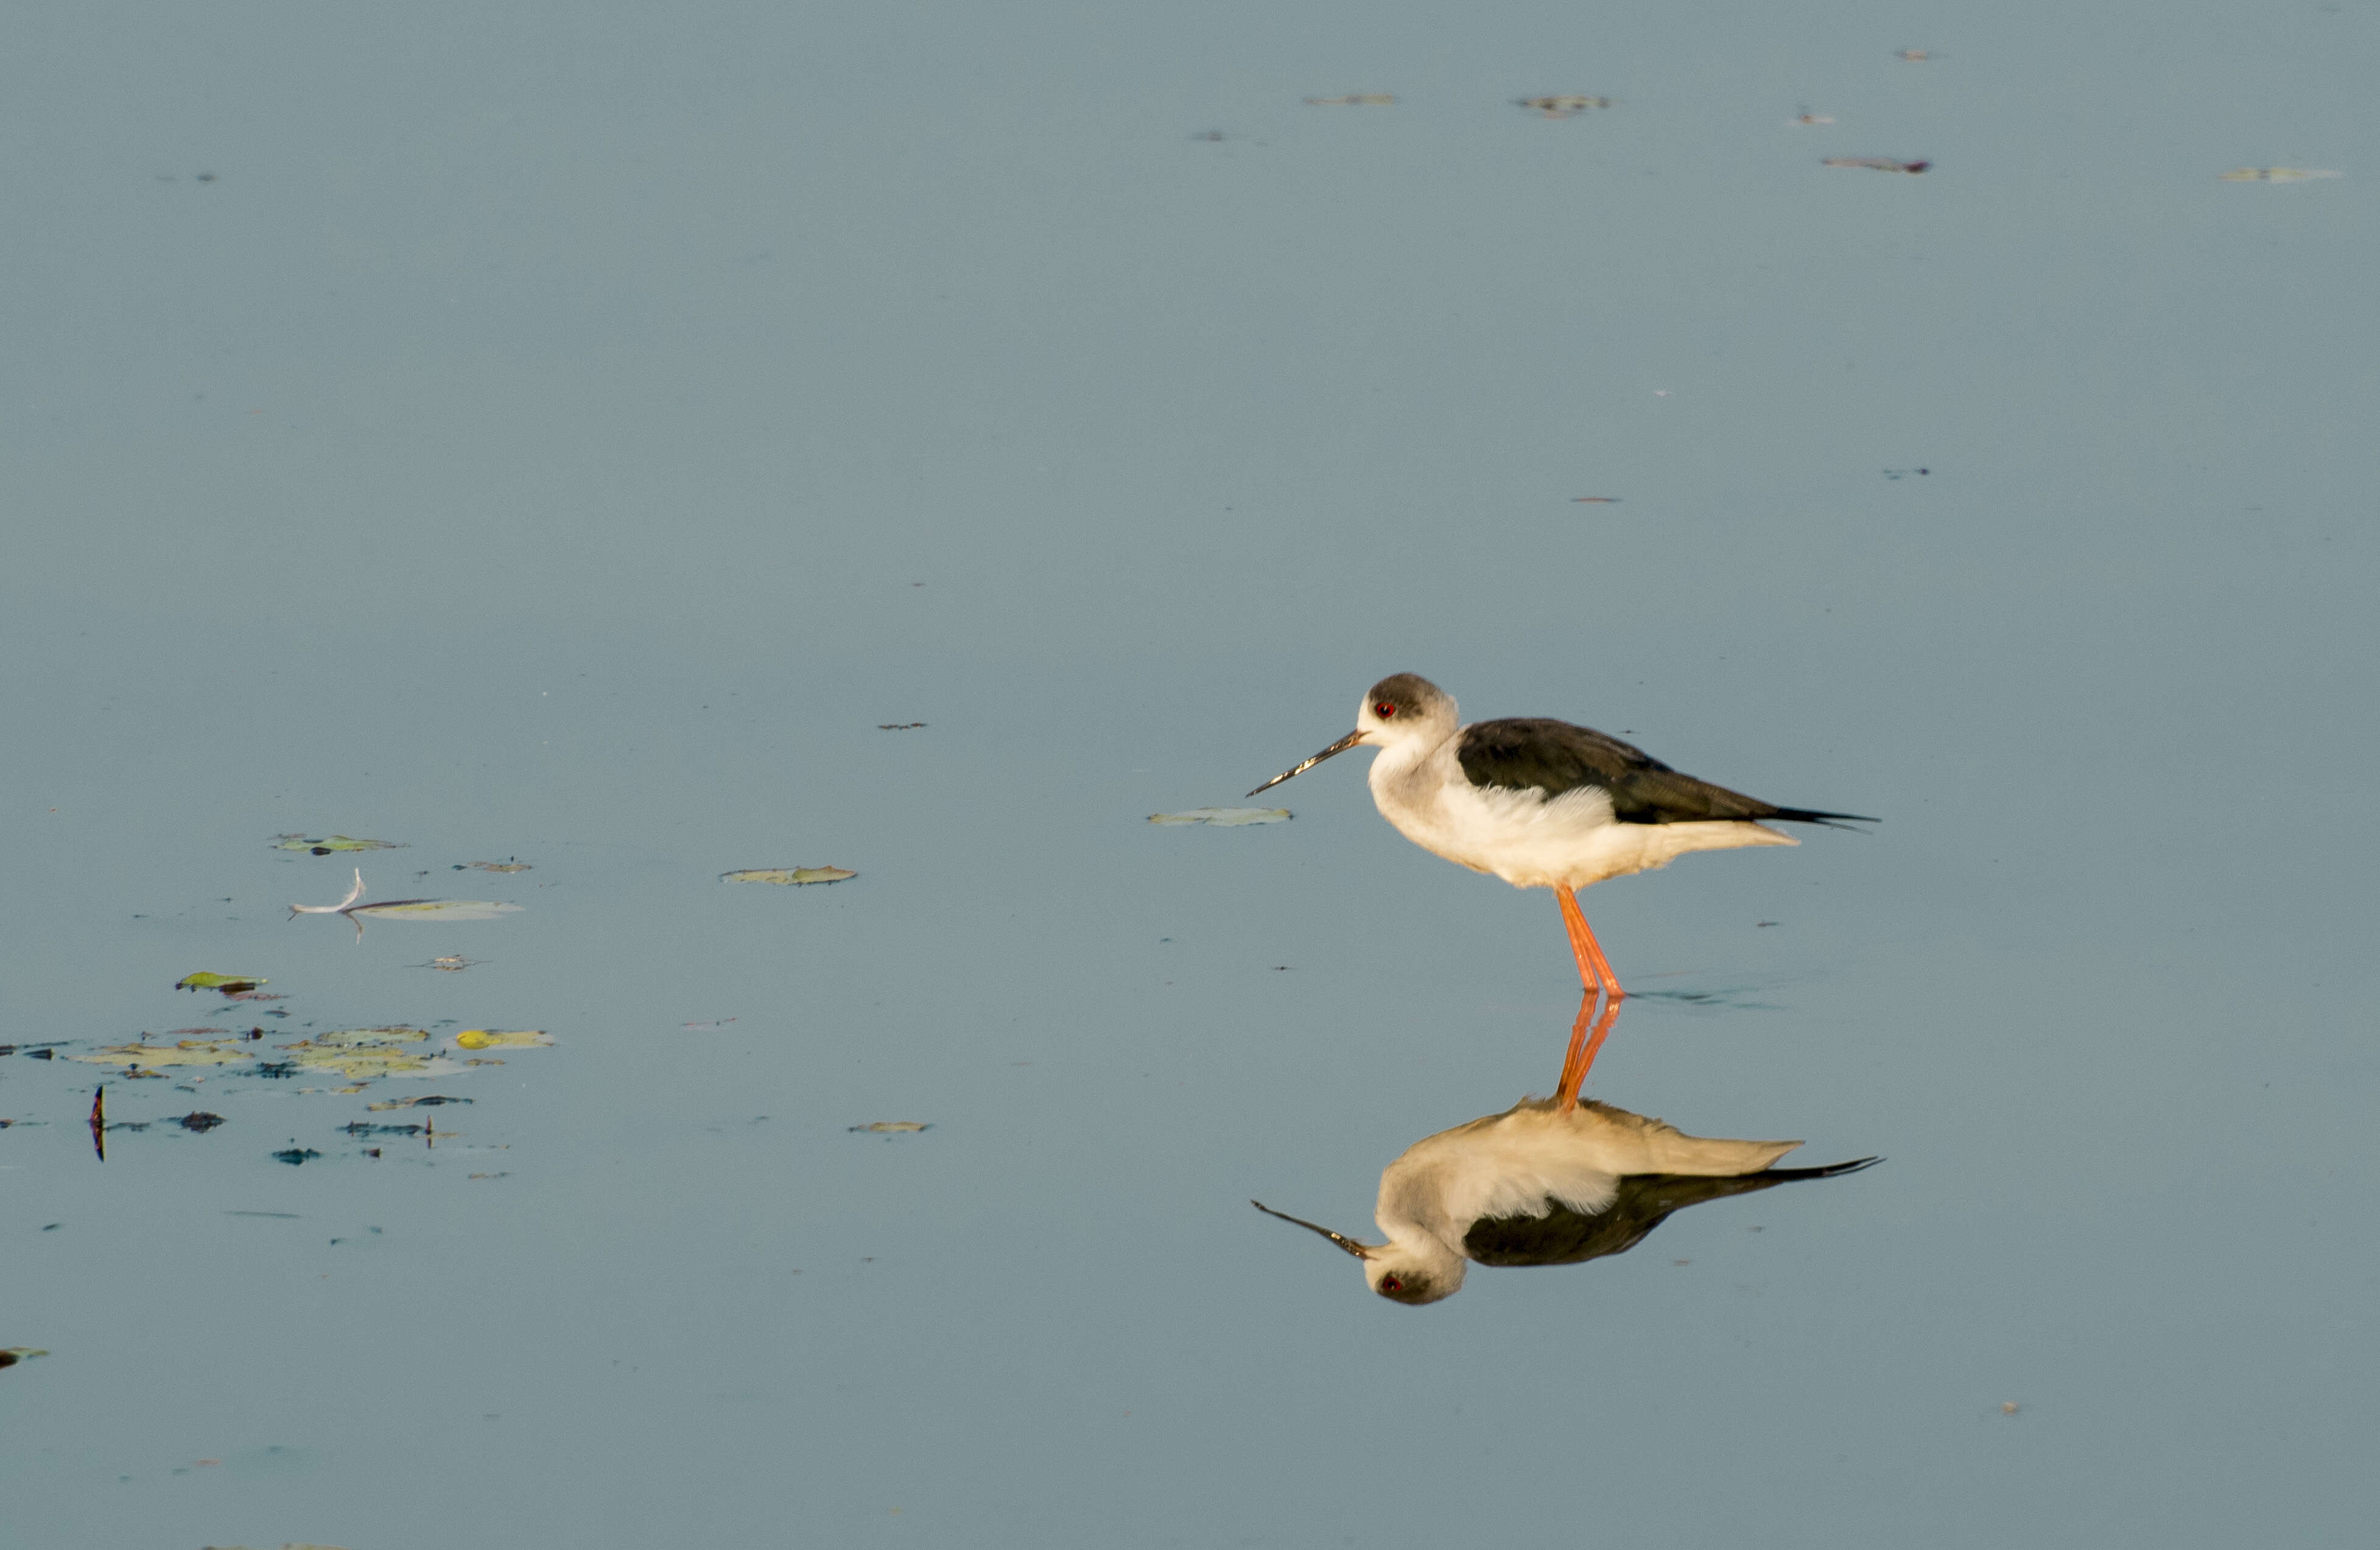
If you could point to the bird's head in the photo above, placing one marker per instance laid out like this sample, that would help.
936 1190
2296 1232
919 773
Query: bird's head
1412 1273
1404 707
1403 1275
1401 711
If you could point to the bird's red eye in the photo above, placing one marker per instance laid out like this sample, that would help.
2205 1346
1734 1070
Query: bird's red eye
1389 1283
1384 710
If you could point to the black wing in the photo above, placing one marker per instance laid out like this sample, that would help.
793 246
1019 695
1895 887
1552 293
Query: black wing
1643 1202
1535 754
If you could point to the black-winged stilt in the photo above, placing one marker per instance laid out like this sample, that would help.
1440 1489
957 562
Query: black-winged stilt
1543 804
1539 1185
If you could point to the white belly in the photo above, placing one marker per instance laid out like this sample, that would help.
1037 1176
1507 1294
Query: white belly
1530 842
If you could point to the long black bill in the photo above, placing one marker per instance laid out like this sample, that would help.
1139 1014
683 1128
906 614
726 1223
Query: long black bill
1341 1238
1339 747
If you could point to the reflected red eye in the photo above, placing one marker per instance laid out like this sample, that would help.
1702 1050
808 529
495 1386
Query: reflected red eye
1384 710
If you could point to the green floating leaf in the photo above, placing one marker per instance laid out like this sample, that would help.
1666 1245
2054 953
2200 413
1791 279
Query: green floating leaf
364 1063
435 909
1562 107
2276 174
366 1038
789 874
1224 818
187 1053
335 843
11 1355
230 985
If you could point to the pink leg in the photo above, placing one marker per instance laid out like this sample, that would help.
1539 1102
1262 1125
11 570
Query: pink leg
1583 1047
1594 969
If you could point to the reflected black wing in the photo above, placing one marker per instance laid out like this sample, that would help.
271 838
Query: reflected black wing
1643 1202
1537 754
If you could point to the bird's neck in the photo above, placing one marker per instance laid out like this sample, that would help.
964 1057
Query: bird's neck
1408 756
1400 770
1418 1247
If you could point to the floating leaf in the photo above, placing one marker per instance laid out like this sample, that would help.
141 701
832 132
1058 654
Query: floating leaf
1224 818
363 1038
1879 164
435 909
199 1121
899 726
11 1355
496 865
789 874
431 1100
2277 175
893 1127
230 985
335 843
453 963
362 1054
489 1039
187 1053
1354 100
1562 107
297 1155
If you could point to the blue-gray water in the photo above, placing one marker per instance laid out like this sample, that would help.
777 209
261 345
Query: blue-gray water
566 433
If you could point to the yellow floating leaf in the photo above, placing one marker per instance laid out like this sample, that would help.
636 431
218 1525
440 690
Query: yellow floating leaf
893 1127
789 874
490 1038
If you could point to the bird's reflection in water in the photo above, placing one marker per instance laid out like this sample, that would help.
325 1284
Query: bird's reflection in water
1543 1183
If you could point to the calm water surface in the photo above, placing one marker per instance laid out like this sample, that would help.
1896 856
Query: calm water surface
566 435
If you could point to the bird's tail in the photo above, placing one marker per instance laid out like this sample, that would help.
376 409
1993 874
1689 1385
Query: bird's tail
1811 815
1832 1170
